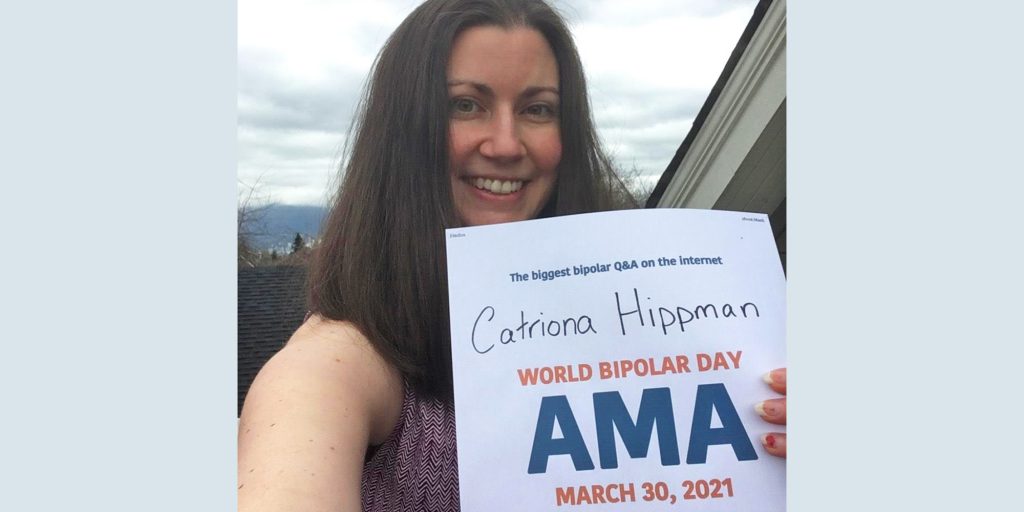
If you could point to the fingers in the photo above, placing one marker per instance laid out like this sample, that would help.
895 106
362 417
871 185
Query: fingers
777 380
772 411
775 444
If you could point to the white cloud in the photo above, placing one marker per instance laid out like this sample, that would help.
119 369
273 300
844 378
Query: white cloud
667 52
291 167
307 39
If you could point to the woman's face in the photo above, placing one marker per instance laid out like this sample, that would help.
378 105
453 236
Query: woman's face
504 140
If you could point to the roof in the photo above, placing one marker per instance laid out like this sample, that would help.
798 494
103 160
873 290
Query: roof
709 103
271 306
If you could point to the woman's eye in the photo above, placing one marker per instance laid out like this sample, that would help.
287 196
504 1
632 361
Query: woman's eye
463 106
540 110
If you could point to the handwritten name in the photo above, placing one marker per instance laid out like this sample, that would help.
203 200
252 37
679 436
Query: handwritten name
631 314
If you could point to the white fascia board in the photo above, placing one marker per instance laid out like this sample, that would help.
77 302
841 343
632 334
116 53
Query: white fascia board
751 95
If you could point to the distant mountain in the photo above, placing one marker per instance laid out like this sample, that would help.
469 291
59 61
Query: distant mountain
279 223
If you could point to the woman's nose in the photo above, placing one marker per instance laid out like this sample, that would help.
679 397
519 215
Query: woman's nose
503 141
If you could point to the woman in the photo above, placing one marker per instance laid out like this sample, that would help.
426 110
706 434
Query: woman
476 113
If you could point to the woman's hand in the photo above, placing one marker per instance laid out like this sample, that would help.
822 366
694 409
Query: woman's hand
774 411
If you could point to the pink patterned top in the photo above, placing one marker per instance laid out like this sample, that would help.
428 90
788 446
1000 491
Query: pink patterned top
416 468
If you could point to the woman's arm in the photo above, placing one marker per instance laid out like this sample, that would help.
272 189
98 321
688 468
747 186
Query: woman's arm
308 418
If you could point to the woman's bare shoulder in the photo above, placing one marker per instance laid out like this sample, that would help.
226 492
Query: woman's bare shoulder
332 358
309 416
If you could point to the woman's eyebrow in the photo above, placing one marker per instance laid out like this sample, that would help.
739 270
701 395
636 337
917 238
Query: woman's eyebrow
485 89
537 89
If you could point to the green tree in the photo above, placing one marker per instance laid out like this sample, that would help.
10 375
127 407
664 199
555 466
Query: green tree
297 244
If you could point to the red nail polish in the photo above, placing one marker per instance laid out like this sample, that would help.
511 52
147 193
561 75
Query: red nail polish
770 441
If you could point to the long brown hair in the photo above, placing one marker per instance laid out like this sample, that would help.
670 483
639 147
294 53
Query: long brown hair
381 262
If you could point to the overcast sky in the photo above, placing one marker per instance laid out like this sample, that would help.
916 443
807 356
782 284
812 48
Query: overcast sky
302 64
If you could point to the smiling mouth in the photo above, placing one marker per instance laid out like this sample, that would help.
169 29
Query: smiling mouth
500 187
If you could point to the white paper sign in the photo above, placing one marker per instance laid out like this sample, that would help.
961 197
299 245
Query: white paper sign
612 361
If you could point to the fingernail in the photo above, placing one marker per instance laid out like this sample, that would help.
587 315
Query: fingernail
772 377
767 408
768 440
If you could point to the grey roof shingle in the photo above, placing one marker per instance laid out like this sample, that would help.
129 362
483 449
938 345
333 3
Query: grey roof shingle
271 306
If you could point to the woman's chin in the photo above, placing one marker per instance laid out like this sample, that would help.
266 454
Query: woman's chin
488 218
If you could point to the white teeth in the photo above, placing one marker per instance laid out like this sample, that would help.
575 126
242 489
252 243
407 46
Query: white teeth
497 186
